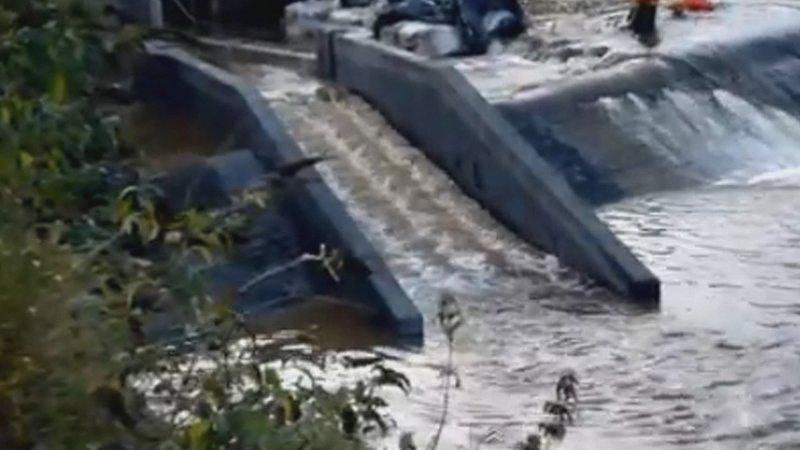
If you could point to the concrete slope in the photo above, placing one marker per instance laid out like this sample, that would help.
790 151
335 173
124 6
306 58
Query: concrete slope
429 232
441 113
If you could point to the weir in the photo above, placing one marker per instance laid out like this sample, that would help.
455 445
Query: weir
699 109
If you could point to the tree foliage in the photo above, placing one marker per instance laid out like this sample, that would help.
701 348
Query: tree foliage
91 260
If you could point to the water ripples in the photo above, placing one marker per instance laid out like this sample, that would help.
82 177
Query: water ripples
718 367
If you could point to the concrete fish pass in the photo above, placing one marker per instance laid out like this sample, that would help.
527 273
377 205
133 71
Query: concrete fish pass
307 211
540 141
439 111
560 123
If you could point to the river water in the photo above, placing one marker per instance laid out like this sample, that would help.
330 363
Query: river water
716 367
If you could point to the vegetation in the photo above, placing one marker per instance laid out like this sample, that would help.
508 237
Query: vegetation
91 257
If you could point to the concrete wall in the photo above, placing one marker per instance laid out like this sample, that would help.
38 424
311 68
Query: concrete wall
441 113
222 101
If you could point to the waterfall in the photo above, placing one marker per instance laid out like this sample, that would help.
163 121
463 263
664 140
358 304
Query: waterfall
712 136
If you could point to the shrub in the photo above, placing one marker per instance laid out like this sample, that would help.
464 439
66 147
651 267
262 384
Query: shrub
89 257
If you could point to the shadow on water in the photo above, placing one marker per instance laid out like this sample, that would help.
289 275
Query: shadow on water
167 136
170 139
332 324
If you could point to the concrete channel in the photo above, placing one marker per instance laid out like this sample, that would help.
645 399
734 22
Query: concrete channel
440 112
225 104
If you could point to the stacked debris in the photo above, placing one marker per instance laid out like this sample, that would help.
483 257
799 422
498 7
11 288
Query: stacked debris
478 22
304 18
431 27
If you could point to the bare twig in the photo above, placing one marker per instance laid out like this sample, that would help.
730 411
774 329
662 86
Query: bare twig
450 319
445 399
185 11
327 260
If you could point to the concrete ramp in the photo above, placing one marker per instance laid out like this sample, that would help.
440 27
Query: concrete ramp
438 111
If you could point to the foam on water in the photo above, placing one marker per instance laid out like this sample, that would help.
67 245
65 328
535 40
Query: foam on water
780 178
716 136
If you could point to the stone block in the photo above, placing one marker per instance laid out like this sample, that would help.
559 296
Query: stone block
432 40
304 18
352 17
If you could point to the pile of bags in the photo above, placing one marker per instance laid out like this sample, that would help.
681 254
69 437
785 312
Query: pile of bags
479 21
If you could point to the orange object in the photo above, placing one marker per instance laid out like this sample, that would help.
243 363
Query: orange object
693 5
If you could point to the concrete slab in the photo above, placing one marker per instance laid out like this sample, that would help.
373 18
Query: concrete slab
432 40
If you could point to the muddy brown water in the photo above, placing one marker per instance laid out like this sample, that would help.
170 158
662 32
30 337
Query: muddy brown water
170 138
166 137
331 324
717 367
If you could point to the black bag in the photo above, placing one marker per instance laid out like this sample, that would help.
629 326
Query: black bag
481 21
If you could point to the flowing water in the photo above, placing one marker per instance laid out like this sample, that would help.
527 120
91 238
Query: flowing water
729 349
717 367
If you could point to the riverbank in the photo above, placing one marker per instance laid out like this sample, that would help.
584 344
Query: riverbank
112 335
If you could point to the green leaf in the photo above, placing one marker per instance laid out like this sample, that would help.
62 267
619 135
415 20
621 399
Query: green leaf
271 379
128 37
7 19
58 87
252 430
212 386
198 435
5 115
204 253
25 160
